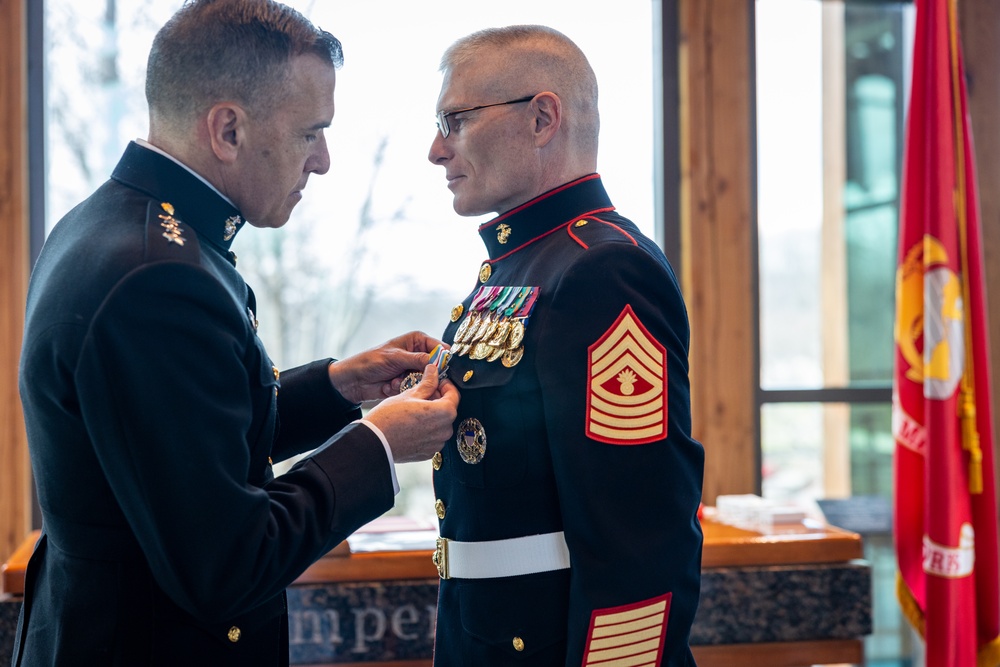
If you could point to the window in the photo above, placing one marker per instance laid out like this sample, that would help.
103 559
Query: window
832 84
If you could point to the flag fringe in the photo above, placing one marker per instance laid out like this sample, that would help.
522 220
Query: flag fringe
989 654
908 603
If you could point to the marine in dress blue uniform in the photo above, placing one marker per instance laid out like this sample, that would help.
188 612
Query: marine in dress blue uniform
573 448
166 538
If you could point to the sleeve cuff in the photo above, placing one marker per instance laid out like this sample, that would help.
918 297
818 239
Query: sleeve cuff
388 452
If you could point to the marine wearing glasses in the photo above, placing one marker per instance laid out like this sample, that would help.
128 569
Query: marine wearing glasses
442 116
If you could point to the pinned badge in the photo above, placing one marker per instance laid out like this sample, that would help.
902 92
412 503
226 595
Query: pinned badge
440 357
232 224
456 312
484 272
503 233
471 441
173 233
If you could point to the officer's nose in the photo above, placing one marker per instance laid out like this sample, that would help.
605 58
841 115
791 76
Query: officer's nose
439 152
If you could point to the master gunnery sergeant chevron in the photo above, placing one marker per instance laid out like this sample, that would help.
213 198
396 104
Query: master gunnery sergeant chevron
568 497
153 412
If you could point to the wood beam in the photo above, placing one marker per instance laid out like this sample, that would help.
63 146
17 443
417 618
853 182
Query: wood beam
15 489
719 236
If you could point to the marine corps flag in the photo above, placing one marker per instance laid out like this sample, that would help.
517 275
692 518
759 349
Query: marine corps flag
945 511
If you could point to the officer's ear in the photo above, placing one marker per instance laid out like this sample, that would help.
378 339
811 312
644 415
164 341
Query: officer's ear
227 122
547 108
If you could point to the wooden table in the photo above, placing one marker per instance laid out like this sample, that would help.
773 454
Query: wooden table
391 593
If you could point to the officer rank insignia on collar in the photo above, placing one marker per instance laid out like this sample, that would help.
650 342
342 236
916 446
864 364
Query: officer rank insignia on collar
232 224
173 233
495 326
627 384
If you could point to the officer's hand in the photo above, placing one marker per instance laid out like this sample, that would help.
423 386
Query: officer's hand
419 421
374 374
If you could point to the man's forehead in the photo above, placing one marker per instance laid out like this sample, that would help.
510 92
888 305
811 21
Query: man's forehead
469 83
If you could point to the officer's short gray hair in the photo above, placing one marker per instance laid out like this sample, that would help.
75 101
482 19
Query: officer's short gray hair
238 50
539 57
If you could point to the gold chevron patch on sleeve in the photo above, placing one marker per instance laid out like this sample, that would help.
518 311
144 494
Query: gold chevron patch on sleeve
627 384
630 636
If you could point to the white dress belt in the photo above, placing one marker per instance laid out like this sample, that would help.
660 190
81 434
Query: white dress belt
501 558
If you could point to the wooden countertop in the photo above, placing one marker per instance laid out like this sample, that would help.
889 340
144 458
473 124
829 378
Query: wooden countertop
390 549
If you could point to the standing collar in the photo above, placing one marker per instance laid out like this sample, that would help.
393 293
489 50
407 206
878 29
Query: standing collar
525 224
196 203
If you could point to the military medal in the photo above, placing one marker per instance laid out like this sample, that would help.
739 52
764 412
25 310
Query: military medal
440 357
471 441
494 326
410 381
512 357
516 334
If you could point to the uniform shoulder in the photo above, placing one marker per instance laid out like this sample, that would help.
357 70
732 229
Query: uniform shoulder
167 238
592 230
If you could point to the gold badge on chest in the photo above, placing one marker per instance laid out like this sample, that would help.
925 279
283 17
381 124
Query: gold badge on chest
471 441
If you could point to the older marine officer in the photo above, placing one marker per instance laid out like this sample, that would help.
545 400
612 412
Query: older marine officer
568 498
153 411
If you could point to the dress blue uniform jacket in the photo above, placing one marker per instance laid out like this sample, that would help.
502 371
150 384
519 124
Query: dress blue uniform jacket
583 426
153 413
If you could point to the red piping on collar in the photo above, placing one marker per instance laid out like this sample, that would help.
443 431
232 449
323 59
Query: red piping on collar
554 229
538 199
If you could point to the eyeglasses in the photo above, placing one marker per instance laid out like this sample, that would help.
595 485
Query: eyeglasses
442 116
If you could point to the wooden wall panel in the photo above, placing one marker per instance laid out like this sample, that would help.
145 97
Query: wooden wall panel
15 485
718 235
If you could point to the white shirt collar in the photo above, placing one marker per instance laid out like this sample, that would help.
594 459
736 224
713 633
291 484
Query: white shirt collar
155 149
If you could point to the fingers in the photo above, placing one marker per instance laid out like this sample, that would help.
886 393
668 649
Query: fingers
428 383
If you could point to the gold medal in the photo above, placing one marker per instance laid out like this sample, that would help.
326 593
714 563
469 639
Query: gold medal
512 357
480 330
463 328
491 328
516 334
495 353
480 351
471 441
410 381
501 333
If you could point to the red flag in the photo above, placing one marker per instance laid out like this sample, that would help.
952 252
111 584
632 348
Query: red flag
945 509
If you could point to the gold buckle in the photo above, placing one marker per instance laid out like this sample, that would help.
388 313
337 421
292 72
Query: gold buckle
440 557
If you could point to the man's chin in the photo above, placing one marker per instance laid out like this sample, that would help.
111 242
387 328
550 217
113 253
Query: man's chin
468 209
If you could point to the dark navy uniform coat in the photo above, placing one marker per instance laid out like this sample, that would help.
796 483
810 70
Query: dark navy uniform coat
585 429
152 413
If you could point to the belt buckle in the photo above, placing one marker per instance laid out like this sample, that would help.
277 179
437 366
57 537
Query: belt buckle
440 557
